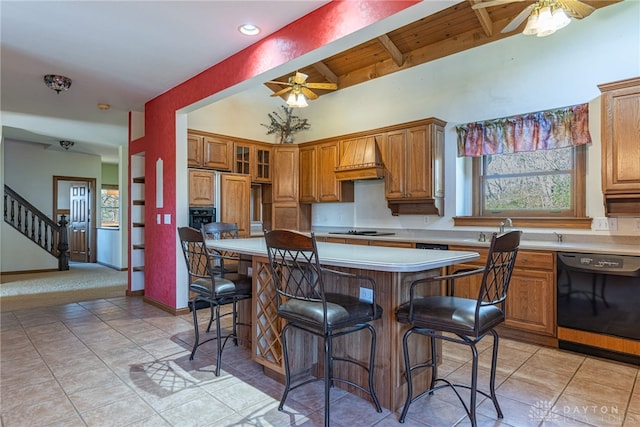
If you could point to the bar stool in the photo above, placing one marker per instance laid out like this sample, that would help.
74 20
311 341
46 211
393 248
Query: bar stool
301 300
460 320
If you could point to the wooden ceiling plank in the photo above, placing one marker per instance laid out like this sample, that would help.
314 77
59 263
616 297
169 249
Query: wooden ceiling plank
323 69
392 49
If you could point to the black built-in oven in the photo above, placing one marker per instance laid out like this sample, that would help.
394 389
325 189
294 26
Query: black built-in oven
599 294
201 215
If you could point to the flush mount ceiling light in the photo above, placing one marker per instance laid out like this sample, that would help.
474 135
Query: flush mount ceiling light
249 29
66 144
103 107
57 83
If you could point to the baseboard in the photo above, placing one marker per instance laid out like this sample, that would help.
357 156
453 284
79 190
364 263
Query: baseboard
113 267
46 270
134 293
164 307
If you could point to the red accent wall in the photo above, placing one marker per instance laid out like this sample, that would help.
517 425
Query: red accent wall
320 27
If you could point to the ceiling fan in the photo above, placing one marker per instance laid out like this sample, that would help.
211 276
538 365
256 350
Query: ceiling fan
545 16
300 89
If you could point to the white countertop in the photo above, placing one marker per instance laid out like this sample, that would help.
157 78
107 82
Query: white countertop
377 258
627 245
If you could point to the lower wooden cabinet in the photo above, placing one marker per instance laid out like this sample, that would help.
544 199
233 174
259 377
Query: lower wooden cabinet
531 299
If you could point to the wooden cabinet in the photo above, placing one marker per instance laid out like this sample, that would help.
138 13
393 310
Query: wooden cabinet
285 167
531 299
308 174
621 147
194 150
235 196
286 211
217 153
318 181
253 160
414 176
201 187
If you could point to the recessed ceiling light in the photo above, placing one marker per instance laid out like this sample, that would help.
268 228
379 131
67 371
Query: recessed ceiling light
249 29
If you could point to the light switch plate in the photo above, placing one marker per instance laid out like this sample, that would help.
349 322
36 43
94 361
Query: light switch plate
366 294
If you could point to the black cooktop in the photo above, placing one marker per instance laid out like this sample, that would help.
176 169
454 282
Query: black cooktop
363 233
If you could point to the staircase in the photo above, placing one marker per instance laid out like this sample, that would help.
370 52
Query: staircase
37 227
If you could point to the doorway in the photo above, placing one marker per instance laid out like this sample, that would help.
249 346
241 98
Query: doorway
75 198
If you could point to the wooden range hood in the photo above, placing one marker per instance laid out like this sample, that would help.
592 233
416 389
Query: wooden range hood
359 159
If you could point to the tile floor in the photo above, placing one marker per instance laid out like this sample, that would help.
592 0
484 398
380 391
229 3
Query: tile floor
122 362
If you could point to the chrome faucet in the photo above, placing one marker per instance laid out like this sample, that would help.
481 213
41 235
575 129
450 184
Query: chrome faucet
558 236
508 222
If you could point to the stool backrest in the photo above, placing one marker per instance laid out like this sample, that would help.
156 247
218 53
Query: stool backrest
293 259
497 273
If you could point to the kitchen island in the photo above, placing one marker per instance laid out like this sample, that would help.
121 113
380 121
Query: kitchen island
393 270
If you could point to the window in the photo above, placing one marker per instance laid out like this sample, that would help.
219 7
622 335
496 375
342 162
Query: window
109 206
545 183
530 166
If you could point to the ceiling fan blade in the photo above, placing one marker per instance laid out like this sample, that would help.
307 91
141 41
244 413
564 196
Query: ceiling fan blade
576 8
325 86
308 93
492 3
515 23
279 83
299 78
282 91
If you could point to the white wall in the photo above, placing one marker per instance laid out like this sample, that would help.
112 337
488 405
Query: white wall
29 169
516 75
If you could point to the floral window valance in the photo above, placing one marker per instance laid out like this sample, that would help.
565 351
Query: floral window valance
544 130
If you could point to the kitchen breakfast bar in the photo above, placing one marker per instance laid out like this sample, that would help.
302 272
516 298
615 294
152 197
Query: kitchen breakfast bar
393 270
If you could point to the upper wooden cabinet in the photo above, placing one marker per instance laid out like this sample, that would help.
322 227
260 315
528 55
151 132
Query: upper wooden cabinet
318 181
414 173
194 150
285 177
201 187
252 159
235 193
621 147
217 153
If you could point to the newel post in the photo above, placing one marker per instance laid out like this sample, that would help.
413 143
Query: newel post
63 245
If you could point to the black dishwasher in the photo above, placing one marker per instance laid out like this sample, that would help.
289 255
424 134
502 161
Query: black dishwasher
432 246
599 294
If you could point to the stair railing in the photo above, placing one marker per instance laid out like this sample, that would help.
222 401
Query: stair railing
37 226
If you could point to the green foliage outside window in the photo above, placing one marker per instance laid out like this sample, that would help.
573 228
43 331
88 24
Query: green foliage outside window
530 181
109 207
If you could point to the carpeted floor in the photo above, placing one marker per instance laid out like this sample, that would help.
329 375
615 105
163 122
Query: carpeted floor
82 282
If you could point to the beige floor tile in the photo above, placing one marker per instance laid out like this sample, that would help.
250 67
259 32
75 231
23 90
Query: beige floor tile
203 411
118 413
124 362
95 397
527 392
597 412
39 412
598 394
609 373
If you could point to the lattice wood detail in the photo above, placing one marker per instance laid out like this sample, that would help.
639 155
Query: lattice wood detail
267 344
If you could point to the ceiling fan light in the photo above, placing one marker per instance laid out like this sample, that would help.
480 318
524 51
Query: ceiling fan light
560 19
546 23
532 25
291 100
301 101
